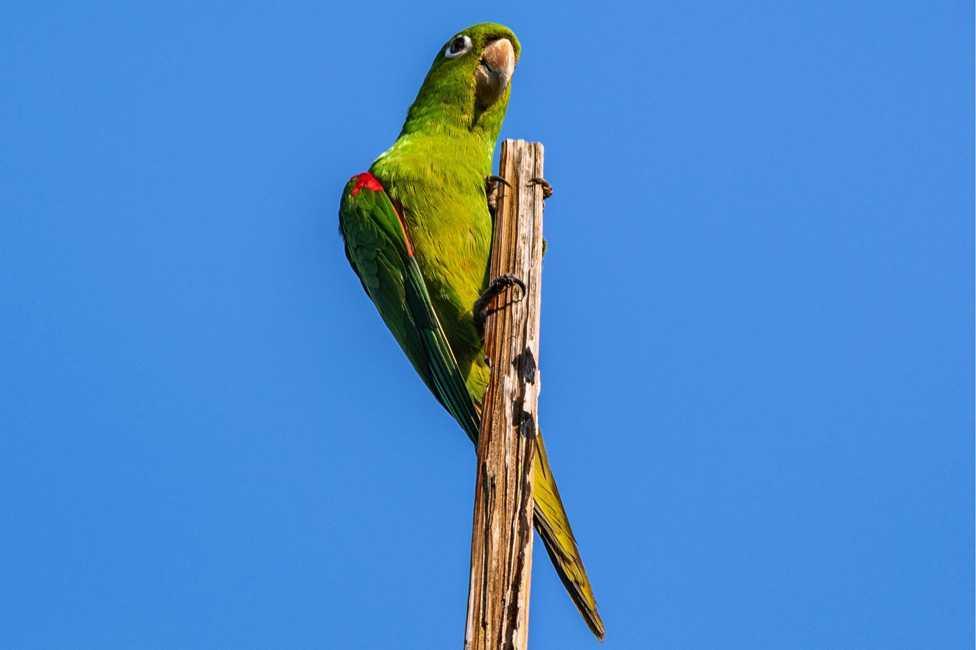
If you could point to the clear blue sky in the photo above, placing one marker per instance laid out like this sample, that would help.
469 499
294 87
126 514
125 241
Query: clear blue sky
758 326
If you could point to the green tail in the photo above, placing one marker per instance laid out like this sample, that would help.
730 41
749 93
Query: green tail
553 525
381 254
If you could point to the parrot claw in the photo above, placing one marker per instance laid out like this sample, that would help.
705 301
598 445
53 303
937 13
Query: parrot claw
546 186
493 180
493 191
495 287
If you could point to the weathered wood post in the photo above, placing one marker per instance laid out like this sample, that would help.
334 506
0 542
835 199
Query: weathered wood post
501 540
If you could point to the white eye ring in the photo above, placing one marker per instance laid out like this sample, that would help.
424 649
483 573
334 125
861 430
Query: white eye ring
458 46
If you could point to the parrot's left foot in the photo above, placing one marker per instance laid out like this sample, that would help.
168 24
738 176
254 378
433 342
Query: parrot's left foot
546 186
493 191
481 305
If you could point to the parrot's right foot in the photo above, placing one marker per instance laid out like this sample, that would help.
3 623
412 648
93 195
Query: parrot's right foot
481 305
546 186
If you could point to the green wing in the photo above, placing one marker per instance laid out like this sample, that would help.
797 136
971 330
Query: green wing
379 250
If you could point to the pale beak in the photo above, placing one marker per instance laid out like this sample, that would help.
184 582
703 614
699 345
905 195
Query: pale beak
494 71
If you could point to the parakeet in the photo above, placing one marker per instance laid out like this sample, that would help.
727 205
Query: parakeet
417 232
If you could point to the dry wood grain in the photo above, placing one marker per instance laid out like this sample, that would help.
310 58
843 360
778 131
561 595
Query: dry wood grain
501 543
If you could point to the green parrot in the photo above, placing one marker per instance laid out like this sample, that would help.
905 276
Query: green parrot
417 232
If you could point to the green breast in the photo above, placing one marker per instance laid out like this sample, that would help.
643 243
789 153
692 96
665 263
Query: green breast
440 183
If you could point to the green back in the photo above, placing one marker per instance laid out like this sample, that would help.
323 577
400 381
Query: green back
436 171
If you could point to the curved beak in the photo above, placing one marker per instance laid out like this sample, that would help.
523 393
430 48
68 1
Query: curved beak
494 71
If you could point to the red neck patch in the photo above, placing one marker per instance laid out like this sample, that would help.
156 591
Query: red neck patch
365 180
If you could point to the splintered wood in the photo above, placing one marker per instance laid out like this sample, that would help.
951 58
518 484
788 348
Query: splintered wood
501 542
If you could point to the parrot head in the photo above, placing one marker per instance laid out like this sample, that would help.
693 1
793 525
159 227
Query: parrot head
469 82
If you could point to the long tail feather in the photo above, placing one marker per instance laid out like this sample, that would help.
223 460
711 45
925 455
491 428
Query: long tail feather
553 525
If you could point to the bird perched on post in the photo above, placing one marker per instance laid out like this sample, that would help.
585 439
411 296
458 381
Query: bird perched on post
417 232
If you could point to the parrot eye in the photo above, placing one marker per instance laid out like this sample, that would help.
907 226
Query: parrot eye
457 47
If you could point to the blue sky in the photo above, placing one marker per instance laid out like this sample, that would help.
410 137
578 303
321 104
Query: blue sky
758 326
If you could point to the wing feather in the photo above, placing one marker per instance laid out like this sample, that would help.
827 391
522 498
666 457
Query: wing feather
379 250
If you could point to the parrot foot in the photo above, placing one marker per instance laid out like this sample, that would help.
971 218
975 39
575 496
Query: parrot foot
493 191
481 305
546 186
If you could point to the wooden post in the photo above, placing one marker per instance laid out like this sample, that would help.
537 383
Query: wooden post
501 540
